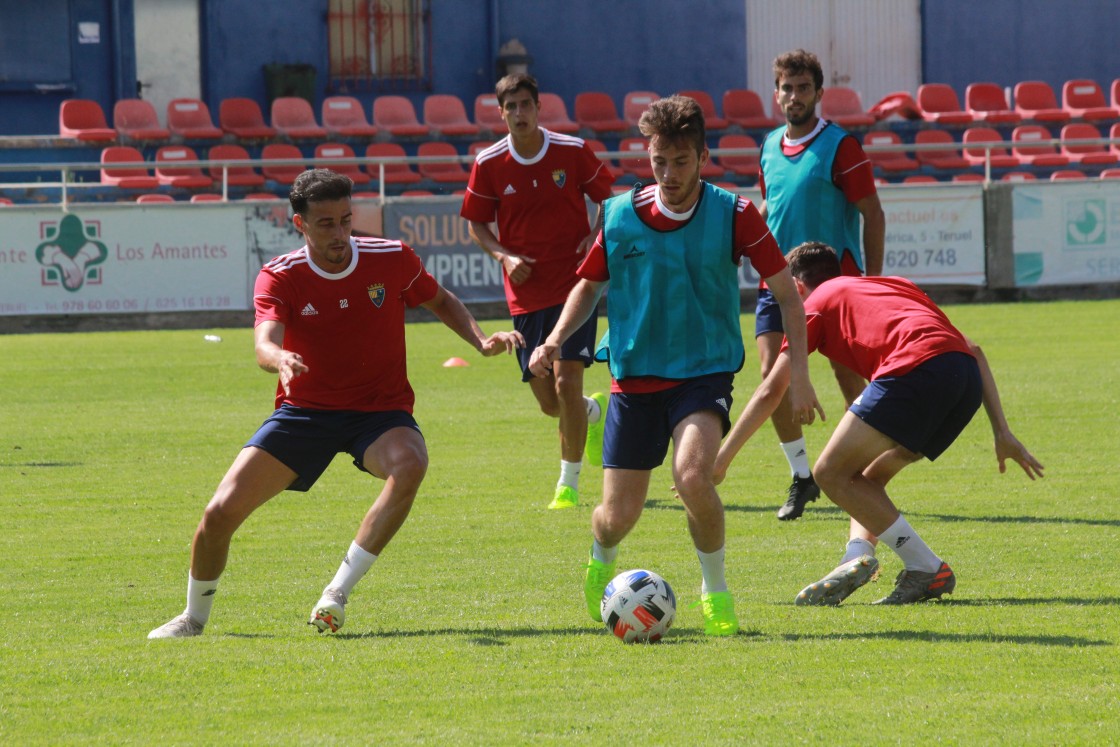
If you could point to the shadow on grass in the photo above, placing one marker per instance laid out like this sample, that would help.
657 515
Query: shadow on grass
16 465
1026 601
828 509
502 636
929 636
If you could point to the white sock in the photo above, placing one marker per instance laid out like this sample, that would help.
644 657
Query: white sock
712 566
200 598
354 566
797 457
915 553
603 554
856 548
594 412
569 474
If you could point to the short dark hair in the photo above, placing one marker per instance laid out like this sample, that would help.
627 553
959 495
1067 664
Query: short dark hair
798 62
813 263
514 83
318 185
678 119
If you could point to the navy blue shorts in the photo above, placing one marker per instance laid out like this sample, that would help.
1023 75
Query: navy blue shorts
926 409
306 440
767 314
639 426
537 325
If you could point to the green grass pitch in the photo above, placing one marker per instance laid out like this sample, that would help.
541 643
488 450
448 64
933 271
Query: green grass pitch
471 628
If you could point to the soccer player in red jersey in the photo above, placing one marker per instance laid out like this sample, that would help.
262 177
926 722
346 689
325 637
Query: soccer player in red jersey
926 382
671 256
330 322
816 183
533 184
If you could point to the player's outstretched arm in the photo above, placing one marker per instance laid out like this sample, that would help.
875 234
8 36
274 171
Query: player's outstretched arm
450 310
802 397
577 309
268 340
761 406
1007 446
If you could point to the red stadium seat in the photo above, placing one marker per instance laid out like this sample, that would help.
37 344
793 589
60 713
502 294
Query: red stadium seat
395 173
137 119
842 105
554 115
243 119
987 103
324 152
1114 94
187 177
294 117
1018 176
596 111
397 116
190 119
113 157
1114 134
1110 174
155 198
4 201
281 173
82 119
1035 100
1087 155
889 161
238 176
1084 99
635 103
744 107
600 147
920 179
712 119
444 172
446 115
1024 146
477 147
344 116
744 166
206 197
939 104
1067 175
639 167
949 158
968 177
488 114
997 155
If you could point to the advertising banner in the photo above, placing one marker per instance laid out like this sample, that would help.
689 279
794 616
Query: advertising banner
1066 233
935 235
110 259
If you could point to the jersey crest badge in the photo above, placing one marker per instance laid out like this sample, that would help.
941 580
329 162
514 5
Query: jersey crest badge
559 176
377 294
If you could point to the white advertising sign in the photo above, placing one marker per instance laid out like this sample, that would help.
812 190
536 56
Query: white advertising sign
935 235
1066 233
101 259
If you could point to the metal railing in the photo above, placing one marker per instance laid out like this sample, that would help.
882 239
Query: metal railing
68 183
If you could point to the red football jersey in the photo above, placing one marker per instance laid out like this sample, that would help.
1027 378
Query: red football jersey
539 206
349 326
878 326
753 241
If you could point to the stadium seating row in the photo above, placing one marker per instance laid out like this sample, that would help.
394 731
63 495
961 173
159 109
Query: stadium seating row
445 115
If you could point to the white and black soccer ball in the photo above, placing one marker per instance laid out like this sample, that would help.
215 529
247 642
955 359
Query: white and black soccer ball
638 606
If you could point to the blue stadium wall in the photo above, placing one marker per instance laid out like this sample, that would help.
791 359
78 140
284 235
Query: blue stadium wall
576 45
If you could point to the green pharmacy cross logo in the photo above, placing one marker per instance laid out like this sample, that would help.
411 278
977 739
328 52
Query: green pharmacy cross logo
71 253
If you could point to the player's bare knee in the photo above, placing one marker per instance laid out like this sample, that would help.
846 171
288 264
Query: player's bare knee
409 467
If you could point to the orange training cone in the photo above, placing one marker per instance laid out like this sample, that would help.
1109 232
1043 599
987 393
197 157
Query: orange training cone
455 363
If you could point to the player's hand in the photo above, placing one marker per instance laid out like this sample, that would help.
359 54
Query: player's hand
585 245
540 363
517 267
290 366
803 402
502 342
1008 447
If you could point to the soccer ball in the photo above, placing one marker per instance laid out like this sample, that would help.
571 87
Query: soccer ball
638 606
